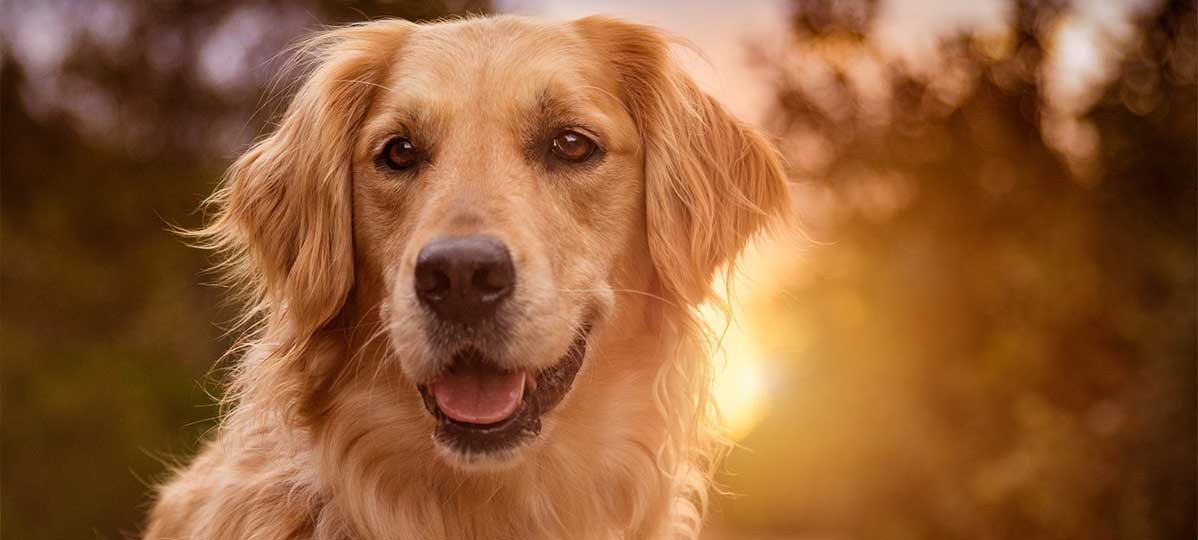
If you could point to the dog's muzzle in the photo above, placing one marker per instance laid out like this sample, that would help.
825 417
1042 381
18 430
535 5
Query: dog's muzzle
482 404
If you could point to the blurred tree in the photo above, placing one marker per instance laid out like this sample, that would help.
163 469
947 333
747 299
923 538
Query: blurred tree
998 336
118 118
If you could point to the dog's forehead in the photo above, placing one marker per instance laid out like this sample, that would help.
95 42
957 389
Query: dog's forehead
511 62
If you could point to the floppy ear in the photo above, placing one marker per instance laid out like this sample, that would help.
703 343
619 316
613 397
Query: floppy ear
285 208
711 181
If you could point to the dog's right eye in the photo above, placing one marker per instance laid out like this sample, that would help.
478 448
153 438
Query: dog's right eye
400 154
572 146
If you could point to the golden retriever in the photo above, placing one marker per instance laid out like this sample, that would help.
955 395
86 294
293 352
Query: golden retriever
474 250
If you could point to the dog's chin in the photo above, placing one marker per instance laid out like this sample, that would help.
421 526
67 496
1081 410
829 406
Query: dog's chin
488 425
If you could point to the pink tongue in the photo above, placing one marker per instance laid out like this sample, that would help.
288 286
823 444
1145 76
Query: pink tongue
478 396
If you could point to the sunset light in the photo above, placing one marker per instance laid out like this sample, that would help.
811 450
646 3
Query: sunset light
740 387
744 378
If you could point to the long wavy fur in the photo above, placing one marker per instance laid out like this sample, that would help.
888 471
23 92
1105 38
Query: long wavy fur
282 225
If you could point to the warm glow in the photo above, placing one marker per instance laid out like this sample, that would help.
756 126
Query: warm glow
739 387
742 372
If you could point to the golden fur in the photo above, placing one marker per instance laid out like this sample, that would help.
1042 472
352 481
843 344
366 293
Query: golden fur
325 437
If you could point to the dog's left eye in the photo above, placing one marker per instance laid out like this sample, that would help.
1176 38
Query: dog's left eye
400 154
572 146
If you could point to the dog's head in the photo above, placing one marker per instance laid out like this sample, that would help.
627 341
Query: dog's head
512 201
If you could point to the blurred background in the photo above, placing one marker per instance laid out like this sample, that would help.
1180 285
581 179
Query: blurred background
986 329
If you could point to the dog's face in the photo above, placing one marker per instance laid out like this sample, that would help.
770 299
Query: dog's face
497 186
513 200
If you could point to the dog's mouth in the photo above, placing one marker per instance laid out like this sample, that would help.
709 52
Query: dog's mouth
483 408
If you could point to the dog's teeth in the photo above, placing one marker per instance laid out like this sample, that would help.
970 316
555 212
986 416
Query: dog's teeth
530 382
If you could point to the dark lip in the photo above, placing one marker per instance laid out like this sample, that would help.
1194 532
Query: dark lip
552 385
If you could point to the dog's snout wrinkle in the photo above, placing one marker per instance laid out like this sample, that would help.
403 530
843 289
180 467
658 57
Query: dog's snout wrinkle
463 279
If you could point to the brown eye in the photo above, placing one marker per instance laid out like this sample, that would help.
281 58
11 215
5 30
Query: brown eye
400 154
572 146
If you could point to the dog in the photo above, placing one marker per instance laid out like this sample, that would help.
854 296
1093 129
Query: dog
474 250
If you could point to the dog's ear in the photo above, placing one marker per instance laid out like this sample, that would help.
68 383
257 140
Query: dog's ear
711 181
285 209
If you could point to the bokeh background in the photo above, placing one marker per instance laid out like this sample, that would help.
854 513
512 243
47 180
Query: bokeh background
985 329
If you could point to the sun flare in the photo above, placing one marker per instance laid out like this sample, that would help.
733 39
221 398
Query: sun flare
739 387
741 384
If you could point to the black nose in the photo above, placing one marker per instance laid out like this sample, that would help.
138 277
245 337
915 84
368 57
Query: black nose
464 278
